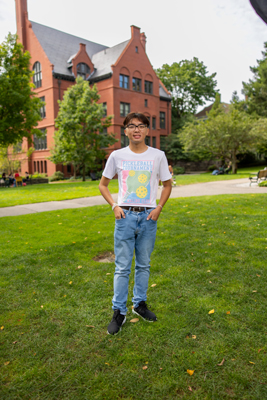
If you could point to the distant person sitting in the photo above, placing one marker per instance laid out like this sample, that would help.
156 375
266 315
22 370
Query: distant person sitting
219 171
27 177
12 180
228 169
4 176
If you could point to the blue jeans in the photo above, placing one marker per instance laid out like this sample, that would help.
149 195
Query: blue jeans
131 233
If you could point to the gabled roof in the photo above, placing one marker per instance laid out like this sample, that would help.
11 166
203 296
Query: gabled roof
203 113
60 46
163 93
105 58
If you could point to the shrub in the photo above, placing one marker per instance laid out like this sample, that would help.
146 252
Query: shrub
57 176
212 167
263 184
178 170
37 175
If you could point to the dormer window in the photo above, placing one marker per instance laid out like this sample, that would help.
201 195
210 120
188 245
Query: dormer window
37 77
83 70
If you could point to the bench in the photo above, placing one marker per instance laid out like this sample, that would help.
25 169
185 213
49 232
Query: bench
260 176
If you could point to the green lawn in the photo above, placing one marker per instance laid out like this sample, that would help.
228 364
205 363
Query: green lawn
55 303
66 190
50 192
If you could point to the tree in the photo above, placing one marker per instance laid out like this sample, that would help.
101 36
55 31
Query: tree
256 89
190 86
19 106
224 135
12 157
79 138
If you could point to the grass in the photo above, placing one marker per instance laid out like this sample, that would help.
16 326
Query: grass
65 190
210 254
50 192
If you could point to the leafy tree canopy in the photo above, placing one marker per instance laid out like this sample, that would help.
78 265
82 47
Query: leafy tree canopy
256 89
190 86
79 138
19 106
224 135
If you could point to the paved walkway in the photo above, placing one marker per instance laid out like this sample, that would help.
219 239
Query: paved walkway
236 186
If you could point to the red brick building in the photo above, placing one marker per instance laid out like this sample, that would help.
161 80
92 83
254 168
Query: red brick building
123 74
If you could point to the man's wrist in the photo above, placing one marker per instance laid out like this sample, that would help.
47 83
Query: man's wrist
114 205
160 206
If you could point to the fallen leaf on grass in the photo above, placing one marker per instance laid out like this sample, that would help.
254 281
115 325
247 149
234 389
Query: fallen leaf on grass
90 326
154 284
254 291
251 362
107 363
194 337
259 350
42 306
144 367
79 267
108 273
7 362
228 312
60 223
2 327
15 342
221 363
190 371
258 275
211 312
189 388
70 282
134 320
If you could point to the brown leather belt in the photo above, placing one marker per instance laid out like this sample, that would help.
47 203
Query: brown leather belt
134 208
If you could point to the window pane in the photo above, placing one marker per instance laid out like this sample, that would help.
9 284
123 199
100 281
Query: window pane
37 77
153 122
149 87
154 142
162 120
104 105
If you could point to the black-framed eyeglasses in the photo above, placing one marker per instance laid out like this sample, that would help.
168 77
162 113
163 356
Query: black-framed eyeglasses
132 127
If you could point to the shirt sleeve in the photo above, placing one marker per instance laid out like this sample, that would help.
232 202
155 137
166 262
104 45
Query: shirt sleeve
110 168
164 173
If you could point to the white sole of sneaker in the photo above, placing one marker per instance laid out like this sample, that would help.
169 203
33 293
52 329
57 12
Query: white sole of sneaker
114 334
147 320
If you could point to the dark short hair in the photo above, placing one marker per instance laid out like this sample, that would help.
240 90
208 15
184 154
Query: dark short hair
141 117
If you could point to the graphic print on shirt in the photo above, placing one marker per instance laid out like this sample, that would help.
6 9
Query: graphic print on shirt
136 177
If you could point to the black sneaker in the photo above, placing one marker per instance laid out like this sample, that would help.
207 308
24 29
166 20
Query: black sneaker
117 321
144 312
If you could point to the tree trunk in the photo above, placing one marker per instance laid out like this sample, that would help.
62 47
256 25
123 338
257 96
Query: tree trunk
84 173
234 164
74 170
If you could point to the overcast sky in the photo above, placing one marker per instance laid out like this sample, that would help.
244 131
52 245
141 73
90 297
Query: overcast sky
226 35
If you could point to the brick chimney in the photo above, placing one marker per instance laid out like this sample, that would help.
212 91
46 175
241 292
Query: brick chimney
135 31
82 47
143 39
21 16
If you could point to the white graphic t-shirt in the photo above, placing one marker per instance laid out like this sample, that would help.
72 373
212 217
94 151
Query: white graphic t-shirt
138 175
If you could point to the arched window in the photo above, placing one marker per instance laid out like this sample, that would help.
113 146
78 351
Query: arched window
83 70
37 77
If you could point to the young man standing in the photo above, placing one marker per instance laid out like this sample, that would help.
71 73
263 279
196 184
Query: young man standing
139 170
